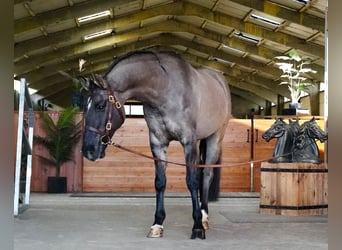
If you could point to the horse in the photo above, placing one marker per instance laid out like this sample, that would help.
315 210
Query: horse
180 102
305 147
285 134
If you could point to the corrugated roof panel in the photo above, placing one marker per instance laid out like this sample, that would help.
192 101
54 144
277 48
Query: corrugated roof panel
317 8
320 40
198 53
20 11
207 42
193 20
40 6
232 9
298 31
156 19
232 51
33 33
127 27
63 25
275 46
218 28
184 35
205 3
292 4
259 59
153 3
129 7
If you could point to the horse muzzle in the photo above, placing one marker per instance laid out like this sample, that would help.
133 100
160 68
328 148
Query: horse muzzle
93 153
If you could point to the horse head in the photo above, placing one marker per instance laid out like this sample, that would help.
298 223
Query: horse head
103 116
275 131
310 130
315 132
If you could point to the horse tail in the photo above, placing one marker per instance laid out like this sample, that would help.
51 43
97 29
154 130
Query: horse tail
214 189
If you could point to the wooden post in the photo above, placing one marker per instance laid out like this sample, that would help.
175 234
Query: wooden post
294 189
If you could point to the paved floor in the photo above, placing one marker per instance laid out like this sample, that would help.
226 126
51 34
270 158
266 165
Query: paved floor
67 222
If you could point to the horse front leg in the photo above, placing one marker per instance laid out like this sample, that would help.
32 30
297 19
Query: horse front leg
157 229
192 181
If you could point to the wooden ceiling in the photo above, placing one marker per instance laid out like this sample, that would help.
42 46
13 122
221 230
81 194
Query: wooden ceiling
237 37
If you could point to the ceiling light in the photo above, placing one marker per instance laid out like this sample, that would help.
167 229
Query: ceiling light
94 16
302 1
246 37
265 20
97 34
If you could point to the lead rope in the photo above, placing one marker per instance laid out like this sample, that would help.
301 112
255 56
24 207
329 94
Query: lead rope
110 142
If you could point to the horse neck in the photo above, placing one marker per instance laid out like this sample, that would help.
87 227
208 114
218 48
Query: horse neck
139 80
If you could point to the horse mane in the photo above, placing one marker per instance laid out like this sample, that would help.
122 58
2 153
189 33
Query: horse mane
138 52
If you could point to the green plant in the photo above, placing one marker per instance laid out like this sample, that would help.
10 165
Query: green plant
61 137
295 72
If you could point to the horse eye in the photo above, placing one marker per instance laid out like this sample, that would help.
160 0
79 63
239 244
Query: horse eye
100 107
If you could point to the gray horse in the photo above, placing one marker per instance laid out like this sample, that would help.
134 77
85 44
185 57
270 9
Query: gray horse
181 103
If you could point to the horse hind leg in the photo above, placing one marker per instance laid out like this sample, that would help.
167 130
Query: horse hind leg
210 178
193 184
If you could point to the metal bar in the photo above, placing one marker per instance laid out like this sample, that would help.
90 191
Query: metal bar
29 157
19 146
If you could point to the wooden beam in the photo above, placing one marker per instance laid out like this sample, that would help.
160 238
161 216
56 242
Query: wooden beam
285 13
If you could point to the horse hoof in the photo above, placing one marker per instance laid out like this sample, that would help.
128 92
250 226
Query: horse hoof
198 233
156 231
205 219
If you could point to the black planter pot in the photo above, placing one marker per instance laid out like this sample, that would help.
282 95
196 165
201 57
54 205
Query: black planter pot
57 185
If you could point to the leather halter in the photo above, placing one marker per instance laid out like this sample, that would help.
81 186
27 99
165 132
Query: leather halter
112 101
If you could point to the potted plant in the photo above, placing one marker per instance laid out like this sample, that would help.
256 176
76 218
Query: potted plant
295 72
61 137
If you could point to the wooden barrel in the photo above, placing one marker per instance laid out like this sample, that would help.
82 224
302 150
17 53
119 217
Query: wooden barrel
294 189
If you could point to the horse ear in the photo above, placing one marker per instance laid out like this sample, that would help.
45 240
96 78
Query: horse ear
84 82
99 81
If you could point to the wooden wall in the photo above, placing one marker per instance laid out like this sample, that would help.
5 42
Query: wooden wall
121 171
40 171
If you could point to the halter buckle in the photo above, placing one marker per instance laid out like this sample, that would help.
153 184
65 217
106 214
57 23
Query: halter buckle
117 104
108 126
111 98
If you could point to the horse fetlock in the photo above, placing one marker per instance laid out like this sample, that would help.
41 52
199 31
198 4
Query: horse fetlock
205 219
156 231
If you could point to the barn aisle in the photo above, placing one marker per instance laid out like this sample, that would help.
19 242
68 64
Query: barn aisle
71 221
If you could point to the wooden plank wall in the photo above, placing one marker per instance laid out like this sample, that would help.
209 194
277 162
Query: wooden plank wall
72 170
122 171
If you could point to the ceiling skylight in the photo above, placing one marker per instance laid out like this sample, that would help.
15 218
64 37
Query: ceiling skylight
265 20
302 1
245 37
97 34
95 16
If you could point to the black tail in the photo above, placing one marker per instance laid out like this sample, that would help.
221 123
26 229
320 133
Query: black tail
214 189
